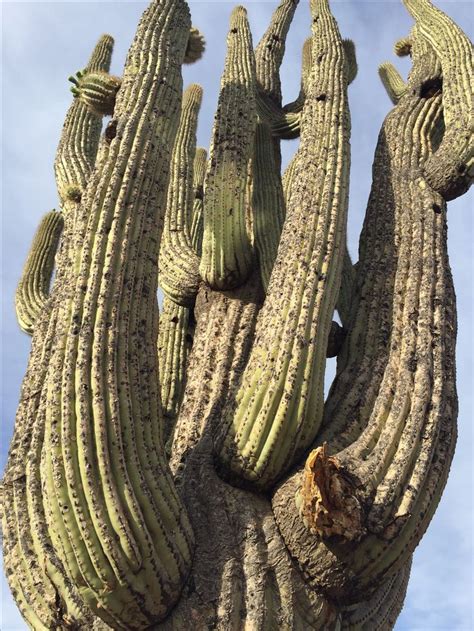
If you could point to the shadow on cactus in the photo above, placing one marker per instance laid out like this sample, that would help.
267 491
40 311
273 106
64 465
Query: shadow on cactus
182 469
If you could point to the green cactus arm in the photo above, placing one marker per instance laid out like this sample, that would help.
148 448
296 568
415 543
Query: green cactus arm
270 50
32 291
200 163
175 333
179 264
346 292
278 407
97 90
392 82
285 122
79 141
389 425
227 252
450 170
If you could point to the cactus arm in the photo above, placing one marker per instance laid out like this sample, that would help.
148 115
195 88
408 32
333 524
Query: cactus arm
195 47
270 50
390 418
392 82
227 253
79 141
33 289
79 451
350 60
450 170
278 408
125 525
23 544
346 292
179 264
306 64
285 122
175 333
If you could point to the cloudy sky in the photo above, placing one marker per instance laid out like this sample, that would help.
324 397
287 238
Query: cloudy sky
45 42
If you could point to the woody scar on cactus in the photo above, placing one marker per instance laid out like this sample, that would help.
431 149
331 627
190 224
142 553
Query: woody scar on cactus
179 466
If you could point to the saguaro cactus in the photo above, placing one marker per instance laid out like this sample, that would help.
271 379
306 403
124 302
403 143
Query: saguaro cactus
181 469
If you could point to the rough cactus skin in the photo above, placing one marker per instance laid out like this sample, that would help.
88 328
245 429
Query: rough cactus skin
182 470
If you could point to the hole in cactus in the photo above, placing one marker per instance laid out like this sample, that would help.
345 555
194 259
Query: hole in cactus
437 209
111 130
431 88
321 97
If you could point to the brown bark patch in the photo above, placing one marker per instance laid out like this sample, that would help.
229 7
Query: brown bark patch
329 503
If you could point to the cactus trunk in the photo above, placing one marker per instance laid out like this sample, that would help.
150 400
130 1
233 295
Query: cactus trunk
181 469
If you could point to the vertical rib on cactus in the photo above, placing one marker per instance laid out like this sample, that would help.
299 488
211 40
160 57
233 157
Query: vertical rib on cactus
278 407
392 81
173 347
115 518
227 253
200 163
268 204
30 561
450 170
33 289
390 419
179 264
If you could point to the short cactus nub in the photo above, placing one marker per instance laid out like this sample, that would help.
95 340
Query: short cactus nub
97 90
402 48
196 46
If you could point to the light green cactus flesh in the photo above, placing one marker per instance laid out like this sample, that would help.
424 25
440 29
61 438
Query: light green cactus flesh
181 469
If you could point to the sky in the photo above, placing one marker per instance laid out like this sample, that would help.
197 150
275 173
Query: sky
44 42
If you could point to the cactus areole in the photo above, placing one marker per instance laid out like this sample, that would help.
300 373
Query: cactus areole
178 467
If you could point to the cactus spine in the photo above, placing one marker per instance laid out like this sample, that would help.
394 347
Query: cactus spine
182 467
